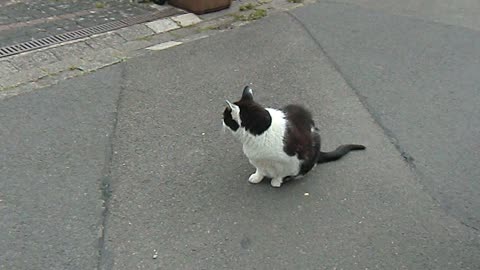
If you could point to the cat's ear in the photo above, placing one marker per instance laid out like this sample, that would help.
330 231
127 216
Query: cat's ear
247 93
232 106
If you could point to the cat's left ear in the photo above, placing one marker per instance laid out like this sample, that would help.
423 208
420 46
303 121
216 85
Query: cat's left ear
230 105
247 93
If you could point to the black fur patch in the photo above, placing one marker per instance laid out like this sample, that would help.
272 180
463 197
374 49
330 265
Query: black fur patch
299 139
247 93
255 119
228 120
302 138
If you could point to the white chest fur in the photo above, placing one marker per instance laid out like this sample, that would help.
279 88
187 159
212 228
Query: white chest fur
265 151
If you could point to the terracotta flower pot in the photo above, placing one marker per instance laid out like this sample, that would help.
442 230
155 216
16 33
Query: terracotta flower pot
201 6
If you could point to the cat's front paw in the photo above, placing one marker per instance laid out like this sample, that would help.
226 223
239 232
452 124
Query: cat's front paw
276 182
255 178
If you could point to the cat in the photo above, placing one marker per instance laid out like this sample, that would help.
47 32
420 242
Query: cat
280 144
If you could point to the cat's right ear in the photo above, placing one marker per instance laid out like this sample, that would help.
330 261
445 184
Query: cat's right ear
247 93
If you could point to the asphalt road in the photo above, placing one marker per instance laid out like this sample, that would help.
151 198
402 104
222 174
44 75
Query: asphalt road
460 12
180 188
420 81
53 145
146 137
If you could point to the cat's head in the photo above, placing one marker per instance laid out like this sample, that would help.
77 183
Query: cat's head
246 117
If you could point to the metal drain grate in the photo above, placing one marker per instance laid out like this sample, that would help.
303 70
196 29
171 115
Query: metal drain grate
83 33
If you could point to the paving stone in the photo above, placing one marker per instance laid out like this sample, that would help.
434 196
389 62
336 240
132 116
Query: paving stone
14 10
105 40
183 32
68 25
50 80
92 65
32 60
186 19
105 57
52 30
79 49
34 35
162 25
133 45
160 8
65 64
10 37
6 68
24 77
135 32
85 22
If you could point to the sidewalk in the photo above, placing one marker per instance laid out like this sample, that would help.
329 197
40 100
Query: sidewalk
127 168
48 65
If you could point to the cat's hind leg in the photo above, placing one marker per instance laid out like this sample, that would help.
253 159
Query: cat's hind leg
257 177
276 182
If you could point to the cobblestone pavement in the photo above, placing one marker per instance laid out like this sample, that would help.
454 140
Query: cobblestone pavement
24 20
31 70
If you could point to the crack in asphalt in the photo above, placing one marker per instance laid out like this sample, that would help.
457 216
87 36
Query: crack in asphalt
407 157
105 183
409 160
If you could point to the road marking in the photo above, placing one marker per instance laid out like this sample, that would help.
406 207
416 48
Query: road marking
164 45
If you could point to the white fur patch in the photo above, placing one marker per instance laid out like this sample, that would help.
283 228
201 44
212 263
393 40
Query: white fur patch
235 112
265 151
255 178
276 182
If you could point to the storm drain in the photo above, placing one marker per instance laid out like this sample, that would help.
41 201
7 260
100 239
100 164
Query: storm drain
83 33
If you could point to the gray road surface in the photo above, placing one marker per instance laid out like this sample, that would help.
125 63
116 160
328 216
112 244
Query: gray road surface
53 146
460 12
420 81
178 185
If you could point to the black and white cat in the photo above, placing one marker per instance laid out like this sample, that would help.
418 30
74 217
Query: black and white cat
279 143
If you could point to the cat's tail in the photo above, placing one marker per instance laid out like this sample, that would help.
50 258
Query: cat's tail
341 151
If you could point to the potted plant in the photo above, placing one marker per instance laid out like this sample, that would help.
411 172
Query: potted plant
201 6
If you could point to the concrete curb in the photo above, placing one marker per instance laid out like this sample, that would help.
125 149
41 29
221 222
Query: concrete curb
43 67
